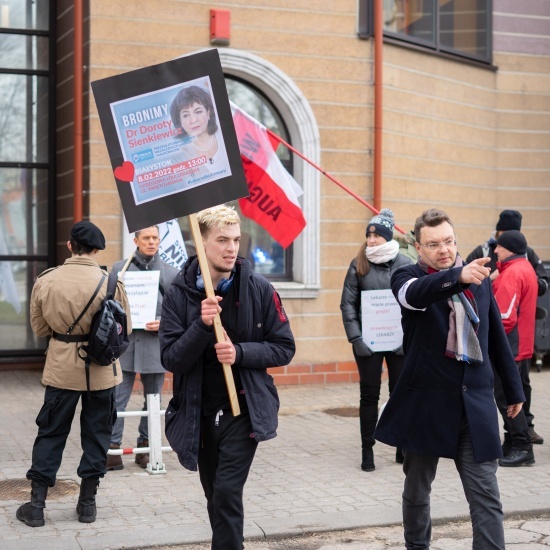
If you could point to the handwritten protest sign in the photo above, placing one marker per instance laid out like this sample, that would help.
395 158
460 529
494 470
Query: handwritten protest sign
142 288
381 320
171 140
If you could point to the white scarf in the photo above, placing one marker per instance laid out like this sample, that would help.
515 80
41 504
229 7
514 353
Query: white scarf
382 253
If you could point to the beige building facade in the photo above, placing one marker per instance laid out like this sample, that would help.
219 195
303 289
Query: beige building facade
468 136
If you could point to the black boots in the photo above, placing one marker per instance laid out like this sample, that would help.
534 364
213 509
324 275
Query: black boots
32 513
86 508
518 457
367 464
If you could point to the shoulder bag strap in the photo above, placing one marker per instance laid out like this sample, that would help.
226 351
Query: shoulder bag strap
111 284
75 322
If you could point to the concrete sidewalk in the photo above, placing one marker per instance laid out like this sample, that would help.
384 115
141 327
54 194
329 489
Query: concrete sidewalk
307 479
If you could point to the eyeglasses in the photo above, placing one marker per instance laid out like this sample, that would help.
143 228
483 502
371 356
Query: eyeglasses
449 243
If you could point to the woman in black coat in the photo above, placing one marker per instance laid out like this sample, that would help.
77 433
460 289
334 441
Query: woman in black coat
372 269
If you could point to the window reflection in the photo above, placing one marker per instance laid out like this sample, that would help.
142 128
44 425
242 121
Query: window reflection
25 14
17 279
23 118
415 18
23 211
462 26
266 255
24 52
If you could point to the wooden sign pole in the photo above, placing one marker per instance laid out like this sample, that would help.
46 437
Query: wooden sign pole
218 329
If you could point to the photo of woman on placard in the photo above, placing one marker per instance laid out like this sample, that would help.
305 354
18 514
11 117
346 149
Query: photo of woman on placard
192 112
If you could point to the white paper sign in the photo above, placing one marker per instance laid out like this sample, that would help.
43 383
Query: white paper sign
142 289
381 320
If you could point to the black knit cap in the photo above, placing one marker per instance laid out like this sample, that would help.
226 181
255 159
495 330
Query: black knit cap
89 235
383 224
514 241
509 219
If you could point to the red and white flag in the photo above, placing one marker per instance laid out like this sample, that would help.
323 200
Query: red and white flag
273 200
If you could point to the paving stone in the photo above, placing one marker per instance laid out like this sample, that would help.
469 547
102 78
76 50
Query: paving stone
307 478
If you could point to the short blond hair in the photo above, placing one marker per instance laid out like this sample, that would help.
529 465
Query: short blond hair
217 216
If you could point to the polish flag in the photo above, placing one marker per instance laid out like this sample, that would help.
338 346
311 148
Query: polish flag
273 192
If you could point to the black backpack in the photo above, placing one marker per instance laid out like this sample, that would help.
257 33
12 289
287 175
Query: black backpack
108 336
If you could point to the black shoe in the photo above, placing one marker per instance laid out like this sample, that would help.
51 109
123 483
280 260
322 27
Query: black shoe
536 439
517 457
86 507
507 445
367 465
399 457
32 513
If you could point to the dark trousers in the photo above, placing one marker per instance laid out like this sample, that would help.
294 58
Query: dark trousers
54 425
516 429
480 487
225 455
524 367
152 383
370 374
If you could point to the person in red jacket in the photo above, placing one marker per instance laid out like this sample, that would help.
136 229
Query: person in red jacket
516 295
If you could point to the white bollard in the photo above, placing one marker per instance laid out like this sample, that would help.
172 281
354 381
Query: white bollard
155 464
155 449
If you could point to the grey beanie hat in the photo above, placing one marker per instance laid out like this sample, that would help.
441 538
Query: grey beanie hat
383 224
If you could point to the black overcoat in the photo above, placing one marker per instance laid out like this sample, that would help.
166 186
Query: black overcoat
433 393
264 339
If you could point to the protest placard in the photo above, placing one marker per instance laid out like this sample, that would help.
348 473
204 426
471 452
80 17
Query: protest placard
171 140
142 288
381 320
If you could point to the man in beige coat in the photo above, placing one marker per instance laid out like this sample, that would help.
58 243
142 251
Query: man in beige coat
58 297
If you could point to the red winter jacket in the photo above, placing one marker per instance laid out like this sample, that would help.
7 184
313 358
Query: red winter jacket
516 294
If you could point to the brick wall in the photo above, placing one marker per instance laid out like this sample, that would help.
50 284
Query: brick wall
467 139
296 374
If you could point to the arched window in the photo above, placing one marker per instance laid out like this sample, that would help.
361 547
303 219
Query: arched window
266 93
297 125
268 256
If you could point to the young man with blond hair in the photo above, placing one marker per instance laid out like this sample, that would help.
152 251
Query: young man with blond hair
199 423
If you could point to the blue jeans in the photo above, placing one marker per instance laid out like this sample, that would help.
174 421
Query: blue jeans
152 383
480 487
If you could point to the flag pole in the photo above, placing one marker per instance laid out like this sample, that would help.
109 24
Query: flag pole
329 176
218 328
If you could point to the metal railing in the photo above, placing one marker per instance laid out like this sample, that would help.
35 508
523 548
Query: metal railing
155 448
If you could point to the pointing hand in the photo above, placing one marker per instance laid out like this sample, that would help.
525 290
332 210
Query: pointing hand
475 272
